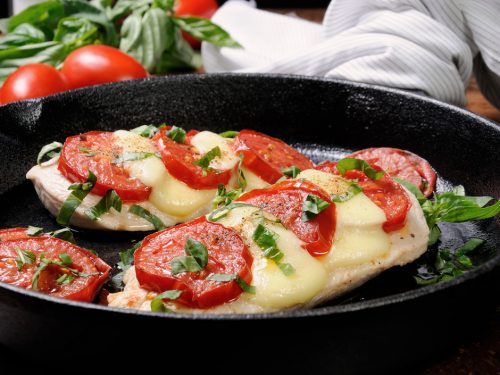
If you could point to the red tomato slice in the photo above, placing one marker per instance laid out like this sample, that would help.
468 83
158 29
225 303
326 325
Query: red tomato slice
403 164
385 193
267 156
285 199
179 160
13 234
227 254
79 289
95 151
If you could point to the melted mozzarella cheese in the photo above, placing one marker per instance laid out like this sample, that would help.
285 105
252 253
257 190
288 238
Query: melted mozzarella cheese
273 288
253 181
205 141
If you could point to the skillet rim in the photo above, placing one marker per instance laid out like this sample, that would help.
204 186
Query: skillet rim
393 299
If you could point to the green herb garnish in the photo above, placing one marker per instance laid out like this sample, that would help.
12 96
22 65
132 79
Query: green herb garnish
110 200
224 211
34 231
87 151
348 164
63 234
133 156
229 134
266 240
204 161
157 304
146 215
177 134
24 257
353 190
195 261
65 278
79 192
126 261
49 151
312 207
292 171
146 131
224 278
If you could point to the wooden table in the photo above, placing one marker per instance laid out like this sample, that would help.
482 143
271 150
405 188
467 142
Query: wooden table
479 354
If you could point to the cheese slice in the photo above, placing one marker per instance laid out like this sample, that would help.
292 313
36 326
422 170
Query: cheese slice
205 141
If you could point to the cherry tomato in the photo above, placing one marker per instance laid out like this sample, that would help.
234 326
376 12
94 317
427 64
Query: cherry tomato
385 193
267 156
179 160
13 234
403 164
95 151
227 254
285 200
32 81
76 287
198 8
94 65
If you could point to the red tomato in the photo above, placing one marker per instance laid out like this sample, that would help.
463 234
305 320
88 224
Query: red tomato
79 289
94 65
285 200
95 151
403 164
179 160
267 156
227 254
32 81
198 8
385 193
13 234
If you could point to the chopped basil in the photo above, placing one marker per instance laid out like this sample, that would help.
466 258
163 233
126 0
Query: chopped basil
224 211
229 134
196 260
65 259
292 171
147 131
348 164
79 192
24 257
313 205
49 151
224 278
177 134
353 190
65 278
146 215
63 234
133 156
87 151
224 197
448 265
204 161
266 240
157 304
34 231
126 261
110 200
412 189
242 181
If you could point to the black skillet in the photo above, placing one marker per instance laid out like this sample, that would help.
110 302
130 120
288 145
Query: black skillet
386 324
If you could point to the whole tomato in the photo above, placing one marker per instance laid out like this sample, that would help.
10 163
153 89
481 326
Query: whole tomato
32 81
93 65
198 8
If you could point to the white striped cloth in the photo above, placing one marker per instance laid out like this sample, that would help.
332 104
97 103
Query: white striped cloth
426 45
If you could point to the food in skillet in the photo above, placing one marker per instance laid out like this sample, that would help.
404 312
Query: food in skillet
151 178
50 265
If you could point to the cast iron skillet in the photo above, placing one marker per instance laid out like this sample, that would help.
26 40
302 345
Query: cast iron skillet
383 325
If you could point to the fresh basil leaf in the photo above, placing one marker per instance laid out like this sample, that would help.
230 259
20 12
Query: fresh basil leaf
204 161
146 215
179 56
44 263
434 235
224 278
206 30
412 189
75 198
469 246
266 240
224 211
292 171
34 231
167 5
353 190
49 151
65 278
127 257
123 8
183 264
197 250
224 197
87 151
45 15
24 257
157 304
65 259
287 269
312 207
22 35
242 181
177 134
76 32
133 156
229 134
110 200
147 131
64 234
348 164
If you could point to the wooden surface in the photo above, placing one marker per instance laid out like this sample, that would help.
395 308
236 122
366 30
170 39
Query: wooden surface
476 101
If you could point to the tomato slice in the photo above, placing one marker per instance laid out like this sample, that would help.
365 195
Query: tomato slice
95 151
179 160
227 254
385 193
285 200
79 289
403 164
13 234
267 156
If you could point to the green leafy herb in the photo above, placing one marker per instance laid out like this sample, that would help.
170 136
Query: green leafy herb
242 181
24 257
75 198
63 234
348 164
206 30
110 200
412 189
126 261
353 190
266 240
65 259
313 205
65 278
224 278
147 131
224 211
34 231
146 215
448 265
177 134
204 161
196 260
49 151
157 304
224 197
229 134
87 151
292 171
133 156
